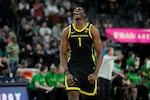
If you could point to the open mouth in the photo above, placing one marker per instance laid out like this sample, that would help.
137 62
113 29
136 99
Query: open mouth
76 14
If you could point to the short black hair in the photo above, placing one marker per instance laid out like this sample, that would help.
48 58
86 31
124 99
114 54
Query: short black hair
83 5
43 67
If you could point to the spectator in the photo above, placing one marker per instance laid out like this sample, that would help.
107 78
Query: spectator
108 23
38 65
137 62
145 67
56 31
60 76
47 54
38 9
34 26
146 74
6 29
24 9
60 88
67 4
27 34
51 8
12 51
38 53
50 76
147 23
36 38
10 34
45 32
135 80
120 85
130 60
29 55
44 29
3 44
147 84
13 8
118 64
23 64
4 12
4 67
51 80
21 34
54 52
24 5
38 86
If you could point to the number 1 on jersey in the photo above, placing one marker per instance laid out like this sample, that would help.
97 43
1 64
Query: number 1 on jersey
79 38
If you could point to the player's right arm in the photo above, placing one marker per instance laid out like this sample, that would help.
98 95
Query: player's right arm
63 56
64 48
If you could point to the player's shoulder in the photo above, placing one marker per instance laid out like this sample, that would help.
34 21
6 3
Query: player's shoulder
66 29
94 28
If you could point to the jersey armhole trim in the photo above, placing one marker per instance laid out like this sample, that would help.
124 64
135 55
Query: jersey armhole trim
90 34
69 32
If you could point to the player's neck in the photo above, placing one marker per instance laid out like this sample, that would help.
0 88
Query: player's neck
79 23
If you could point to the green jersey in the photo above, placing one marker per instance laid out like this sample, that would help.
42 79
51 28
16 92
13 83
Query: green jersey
51 79
144 68
133 77
130 62
60 78
117 67
37 78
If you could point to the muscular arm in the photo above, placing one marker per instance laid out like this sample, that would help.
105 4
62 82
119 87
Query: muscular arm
98 47
64 48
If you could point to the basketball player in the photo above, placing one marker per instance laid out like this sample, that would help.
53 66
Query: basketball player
81 67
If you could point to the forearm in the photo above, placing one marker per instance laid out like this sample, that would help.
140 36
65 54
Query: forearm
63 61
41 87
117 72
111 58
98 63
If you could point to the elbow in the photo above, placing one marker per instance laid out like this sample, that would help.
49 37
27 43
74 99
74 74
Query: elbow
99 53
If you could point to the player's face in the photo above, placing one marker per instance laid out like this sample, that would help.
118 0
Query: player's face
78 13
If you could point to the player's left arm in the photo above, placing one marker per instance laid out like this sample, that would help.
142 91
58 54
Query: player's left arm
98 47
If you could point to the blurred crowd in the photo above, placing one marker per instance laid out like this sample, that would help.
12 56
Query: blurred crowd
30 33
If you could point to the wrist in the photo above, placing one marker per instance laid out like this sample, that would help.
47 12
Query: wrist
95 73
67 71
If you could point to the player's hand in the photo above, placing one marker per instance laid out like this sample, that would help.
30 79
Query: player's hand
92 77
70 79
